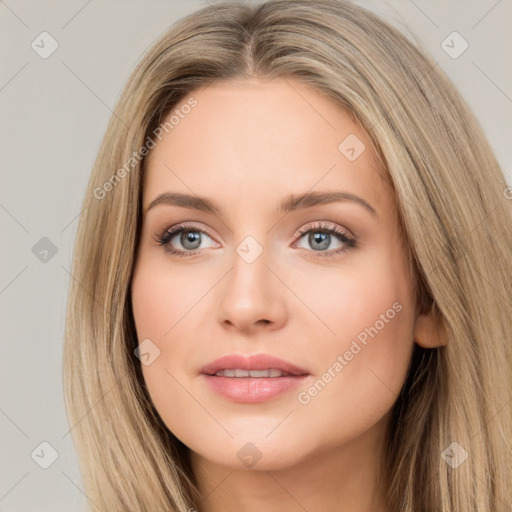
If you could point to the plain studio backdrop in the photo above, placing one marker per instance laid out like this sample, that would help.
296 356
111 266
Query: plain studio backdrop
56 97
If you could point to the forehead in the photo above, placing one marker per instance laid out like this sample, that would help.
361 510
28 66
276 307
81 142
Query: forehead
261 139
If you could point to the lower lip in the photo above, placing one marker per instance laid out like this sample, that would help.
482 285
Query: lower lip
251 389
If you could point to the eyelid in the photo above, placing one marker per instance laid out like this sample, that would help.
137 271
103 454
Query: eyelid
324 225
173 230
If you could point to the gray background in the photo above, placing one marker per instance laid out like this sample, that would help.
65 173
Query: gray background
54 112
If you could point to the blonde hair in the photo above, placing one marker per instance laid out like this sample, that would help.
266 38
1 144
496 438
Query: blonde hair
452 208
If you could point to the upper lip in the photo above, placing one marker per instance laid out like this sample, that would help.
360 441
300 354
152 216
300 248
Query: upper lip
252 362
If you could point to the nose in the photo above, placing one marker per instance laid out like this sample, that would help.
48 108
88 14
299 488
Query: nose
252 297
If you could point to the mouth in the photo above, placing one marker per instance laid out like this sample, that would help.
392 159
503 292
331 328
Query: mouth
240 365
252 379
256 374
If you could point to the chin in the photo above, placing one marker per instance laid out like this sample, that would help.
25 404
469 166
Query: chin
253 453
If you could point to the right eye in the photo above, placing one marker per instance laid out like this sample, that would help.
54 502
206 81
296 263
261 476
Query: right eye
190 238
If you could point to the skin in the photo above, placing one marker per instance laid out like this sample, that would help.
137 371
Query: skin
246 146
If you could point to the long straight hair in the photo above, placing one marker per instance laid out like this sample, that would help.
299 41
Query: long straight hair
453 210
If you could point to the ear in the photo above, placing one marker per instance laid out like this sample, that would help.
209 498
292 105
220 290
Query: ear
429 331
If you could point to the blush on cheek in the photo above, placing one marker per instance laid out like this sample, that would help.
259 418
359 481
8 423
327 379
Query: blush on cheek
156 310
375 353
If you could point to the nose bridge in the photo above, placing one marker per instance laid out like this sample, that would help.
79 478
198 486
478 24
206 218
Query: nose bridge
250 295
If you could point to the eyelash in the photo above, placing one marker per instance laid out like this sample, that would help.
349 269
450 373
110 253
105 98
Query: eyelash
164 238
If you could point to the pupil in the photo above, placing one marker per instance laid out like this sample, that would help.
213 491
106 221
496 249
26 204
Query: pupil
190 237
322 238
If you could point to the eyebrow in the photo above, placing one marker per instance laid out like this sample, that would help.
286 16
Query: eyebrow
289 204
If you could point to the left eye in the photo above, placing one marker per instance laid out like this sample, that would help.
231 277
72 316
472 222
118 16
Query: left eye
321 240
319 237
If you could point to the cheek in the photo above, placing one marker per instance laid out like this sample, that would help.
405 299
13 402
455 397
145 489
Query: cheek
168 308
366 350
166 298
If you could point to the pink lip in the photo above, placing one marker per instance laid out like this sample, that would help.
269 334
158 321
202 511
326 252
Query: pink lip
252 389
252 362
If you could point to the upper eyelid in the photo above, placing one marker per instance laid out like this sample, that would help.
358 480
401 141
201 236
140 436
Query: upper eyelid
320 224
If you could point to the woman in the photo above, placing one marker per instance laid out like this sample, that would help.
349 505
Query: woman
292 278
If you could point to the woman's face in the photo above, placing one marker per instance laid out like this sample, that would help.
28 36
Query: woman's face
264 274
